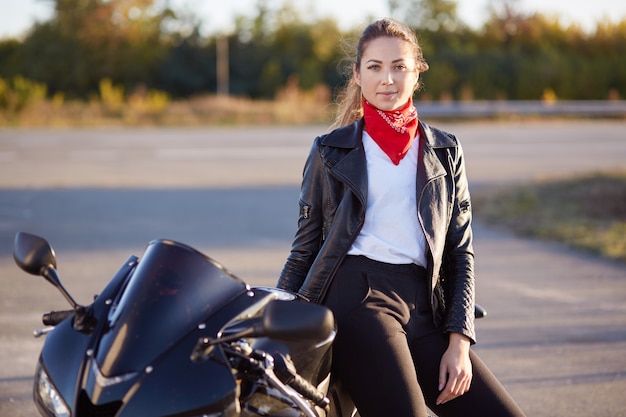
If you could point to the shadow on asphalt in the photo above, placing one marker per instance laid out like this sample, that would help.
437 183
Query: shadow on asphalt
100 219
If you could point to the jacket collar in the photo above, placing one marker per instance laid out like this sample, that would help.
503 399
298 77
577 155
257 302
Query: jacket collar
352 167
349 136
345 157
346 136
429 166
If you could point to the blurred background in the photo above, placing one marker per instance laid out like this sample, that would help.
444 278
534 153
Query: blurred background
123 121
182 62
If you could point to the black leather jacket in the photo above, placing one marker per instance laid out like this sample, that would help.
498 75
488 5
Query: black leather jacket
332 211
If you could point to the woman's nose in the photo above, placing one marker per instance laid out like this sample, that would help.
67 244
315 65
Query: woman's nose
388 79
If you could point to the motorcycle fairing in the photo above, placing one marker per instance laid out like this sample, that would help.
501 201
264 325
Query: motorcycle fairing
172 290
180 384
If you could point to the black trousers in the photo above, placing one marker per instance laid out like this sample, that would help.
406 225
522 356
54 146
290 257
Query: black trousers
387 351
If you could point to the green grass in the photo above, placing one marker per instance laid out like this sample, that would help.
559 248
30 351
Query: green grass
587 212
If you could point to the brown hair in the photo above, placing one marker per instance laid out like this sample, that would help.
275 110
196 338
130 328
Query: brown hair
350 104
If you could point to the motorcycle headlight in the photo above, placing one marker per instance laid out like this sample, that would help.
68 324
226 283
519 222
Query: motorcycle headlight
47 397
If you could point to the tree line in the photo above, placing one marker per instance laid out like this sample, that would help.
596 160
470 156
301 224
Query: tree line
139 45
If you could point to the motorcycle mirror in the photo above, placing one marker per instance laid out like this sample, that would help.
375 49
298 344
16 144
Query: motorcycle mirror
34 255
293 320
281 320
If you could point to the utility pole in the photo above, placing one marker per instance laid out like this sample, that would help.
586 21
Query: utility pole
222 65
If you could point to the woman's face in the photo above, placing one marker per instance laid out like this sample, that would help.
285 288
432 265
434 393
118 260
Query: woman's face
387 74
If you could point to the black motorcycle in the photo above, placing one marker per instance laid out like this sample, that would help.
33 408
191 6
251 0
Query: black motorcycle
176 334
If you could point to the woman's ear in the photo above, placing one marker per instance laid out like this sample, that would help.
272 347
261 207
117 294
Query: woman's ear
416 86
355 75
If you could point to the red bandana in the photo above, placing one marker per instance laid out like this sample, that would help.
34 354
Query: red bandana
394 131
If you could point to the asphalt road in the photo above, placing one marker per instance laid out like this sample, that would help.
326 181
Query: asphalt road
556 330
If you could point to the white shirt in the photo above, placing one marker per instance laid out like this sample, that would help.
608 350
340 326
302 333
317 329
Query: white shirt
391 232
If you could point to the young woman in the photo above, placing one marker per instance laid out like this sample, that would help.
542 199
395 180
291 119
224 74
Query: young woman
384 240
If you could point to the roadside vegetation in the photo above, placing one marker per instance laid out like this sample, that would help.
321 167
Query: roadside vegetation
586 212
134 62
24 103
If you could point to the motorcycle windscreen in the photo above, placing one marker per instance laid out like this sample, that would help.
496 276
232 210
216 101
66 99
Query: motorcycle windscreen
173 289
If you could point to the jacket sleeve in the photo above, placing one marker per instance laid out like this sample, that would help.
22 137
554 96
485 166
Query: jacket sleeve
309 234
459 256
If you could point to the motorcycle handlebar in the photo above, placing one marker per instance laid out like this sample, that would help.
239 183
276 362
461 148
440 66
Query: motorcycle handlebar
286 372
309 391
55 317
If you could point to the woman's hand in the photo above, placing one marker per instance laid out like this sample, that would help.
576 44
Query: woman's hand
455 370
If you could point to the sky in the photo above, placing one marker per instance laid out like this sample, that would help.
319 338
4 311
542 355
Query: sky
16 16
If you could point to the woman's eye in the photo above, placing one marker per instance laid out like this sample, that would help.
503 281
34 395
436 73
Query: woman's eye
373 67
